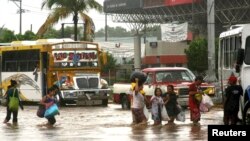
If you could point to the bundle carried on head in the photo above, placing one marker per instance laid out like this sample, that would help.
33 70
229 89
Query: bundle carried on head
138 76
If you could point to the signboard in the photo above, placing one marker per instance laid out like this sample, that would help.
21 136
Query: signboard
118 5
180 2
174 32
77 58
70 45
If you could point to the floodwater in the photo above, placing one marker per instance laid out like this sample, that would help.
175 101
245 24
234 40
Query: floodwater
102 124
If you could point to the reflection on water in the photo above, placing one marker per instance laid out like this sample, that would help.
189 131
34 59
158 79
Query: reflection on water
196 133
100 123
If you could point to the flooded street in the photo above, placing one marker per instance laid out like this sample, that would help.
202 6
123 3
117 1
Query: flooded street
102 124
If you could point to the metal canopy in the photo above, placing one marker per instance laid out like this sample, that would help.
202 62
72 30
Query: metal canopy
227 12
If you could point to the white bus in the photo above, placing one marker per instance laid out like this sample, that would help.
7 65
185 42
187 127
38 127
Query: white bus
234 59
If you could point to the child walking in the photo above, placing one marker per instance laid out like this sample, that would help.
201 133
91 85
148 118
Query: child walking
12 92
157 103
48 101
170 101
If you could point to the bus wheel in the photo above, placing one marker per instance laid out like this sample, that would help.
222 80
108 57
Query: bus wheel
125 103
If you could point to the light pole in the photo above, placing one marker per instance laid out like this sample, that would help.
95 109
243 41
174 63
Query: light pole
211 39
20 11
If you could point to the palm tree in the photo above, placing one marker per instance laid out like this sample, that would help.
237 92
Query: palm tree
62 9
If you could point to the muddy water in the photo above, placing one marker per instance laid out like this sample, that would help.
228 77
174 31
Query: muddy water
102 124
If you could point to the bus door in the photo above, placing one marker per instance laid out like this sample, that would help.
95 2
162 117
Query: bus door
1 94
44 70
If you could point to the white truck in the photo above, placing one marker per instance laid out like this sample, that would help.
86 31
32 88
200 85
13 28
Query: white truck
179 77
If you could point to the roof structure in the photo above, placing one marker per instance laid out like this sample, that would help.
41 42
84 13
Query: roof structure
227 12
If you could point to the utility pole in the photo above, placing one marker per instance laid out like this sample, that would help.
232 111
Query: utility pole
20 11
211 39
106 28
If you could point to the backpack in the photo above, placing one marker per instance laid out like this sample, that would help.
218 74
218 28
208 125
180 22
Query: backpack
14 102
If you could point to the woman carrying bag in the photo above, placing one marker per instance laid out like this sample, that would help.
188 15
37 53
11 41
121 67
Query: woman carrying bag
13 102
49 102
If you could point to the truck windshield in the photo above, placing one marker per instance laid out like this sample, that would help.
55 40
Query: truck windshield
173 76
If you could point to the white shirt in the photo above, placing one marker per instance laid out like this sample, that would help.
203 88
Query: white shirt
137 100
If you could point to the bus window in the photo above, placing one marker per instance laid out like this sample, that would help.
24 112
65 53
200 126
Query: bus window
23 60
232 50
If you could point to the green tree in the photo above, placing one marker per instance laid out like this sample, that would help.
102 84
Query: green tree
113 32
110 63
7 36
29 35
100 33
154 31
69 30
197 56
62 9
122 32
52 33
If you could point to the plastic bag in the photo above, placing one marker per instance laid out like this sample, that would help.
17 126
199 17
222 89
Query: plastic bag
181 116
41 111
206 100
146 112
51 111
198 97
164 114
203 107
208 90
14 102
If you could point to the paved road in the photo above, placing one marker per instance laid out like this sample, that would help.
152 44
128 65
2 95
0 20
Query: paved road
103 124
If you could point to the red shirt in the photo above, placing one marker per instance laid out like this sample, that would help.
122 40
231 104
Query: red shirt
192 103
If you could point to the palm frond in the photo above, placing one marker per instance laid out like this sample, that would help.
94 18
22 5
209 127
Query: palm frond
88 23
94 5
53 18
62 8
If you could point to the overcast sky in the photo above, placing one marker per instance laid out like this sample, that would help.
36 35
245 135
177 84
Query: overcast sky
33 15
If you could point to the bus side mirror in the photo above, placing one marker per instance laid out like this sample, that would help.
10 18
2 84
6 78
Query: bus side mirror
240 58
